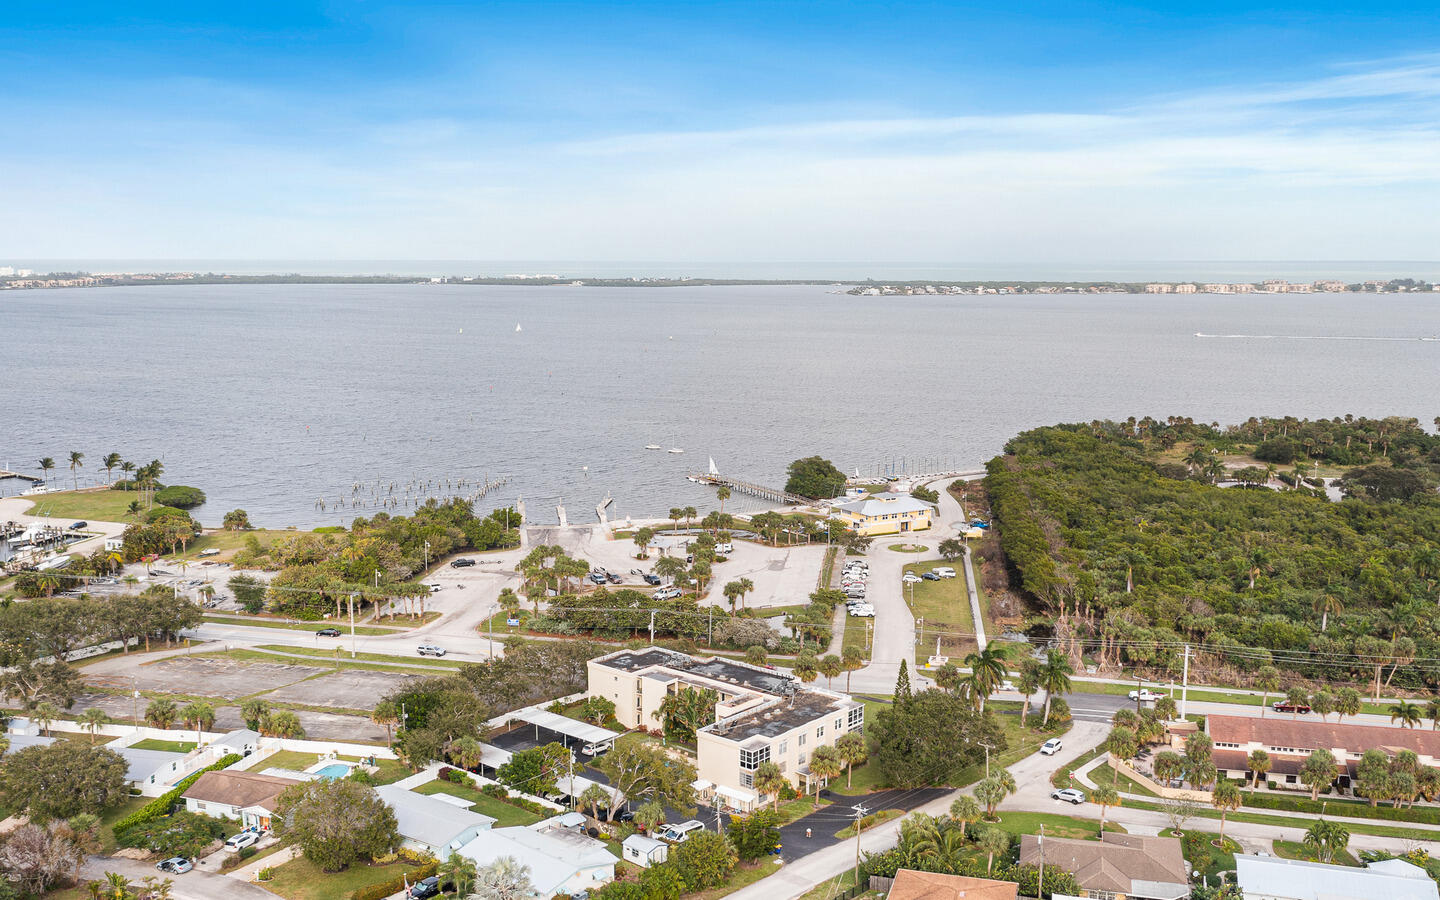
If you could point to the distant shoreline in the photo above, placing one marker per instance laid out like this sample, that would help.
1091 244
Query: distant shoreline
858 287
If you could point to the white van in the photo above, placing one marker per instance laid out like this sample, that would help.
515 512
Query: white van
678 834
944 571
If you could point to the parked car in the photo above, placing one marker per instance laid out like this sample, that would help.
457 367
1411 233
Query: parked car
613 578
425 887
944 572
909 578
1069 795
1006 685
434 587
651 578
76 526
863 612
669 593
1287 707
1145 695
930 576
725 548
596 577
430 650
1051 747
461 563
597 748
328 632
678 834
176 865
242 840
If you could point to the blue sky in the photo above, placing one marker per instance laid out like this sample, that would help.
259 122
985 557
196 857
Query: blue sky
721 131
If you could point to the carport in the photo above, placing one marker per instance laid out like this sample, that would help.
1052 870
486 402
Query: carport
569 729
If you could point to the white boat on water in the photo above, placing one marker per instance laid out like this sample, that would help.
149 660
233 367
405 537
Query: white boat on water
652 446
517 327
713 471
674 450
37 489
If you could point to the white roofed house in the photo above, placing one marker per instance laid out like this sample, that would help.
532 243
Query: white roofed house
884 514
1272 878
561 860
432 823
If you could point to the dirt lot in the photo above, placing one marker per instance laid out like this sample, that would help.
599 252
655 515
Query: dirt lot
353 689
207 676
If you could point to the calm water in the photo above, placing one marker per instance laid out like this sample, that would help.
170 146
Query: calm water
269 397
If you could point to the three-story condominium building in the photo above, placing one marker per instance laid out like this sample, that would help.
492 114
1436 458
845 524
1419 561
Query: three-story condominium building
760 716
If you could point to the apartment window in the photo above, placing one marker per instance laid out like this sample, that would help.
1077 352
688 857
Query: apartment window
800 741
820 732
839 724
747 778
857 715
1227 744
783 748
801 760
751 759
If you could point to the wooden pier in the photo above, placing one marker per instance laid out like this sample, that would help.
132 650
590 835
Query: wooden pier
30 478
754 490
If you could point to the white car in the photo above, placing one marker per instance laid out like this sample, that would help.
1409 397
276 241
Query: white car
597 748
944 572
863 612
1007 685
725 549
1069 795
910 578
1051 747
1145 695
242 840
669 593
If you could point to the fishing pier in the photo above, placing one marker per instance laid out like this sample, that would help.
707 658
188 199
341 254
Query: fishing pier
754 490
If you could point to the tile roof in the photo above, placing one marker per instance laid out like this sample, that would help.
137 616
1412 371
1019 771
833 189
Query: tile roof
1114 862
1310 734
912 885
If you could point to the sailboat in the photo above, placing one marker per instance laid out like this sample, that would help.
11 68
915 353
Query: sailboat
675 448
713 470
517 327
652 446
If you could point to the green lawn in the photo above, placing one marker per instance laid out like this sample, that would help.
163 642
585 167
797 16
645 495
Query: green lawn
1202 851
1297 850
1104 775
227 542
745 874
301 879
286 759
1055 824
171 746
799 808
110 816
504 814
101 505
944 606
266 622
908 548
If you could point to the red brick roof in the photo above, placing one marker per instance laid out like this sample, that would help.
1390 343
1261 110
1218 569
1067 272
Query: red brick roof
1309 734
913 885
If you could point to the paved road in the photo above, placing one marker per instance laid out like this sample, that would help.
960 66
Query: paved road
190 886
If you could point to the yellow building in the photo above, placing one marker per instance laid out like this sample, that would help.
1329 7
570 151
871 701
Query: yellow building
885 514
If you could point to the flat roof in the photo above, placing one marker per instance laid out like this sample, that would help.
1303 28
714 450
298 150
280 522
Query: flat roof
573 728
779 717
716 669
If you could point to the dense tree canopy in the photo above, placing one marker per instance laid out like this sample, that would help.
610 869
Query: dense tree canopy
63 779
815 477
1124 548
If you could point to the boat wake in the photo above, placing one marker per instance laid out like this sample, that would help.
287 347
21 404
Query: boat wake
1313 337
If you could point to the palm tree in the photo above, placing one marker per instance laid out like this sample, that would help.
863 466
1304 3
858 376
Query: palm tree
987 671
1225 797
676 514
76 458
199 714
387 715
966 810
46 464
723 492
44 714
282 724
93 719
1327 605
825 764
992 841
1258 762
1054 676
770 780
1409 714
592 796
161 712
1267 679
650 814
459 871
109 463
852 659
466 753
732 593
1028 685
1432 712
806 667
852 749
126 467
1105 797
690 513
1347 703
1296 698
830 666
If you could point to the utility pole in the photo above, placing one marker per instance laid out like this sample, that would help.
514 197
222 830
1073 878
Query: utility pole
652 626
352 626
1185 684
1040 892
860 812
988 748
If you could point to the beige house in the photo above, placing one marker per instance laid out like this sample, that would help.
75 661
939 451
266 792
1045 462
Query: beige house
247 796
884 514
761 716
1116 867
1288 742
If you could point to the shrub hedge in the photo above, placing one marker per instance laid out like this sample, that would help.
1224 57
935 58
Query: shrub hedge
1427 814
383 889
165 802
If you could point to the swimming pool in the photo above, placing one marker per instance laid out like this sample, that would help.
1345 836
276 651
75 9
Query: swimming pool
333 771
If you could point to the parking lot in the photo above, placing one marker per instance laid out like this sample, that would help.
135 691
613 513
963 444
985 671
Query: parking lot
207 676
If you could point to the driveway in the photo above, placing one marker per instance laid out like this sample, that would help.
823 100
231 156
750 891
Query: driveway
193 885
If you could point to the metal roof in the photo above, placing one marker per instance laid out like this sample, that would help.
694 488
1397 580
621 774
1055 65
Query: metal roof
580 731
1293 879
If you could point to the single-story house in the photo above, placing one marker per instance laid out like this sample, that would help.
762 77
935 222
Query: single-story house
243 741
22 741
1273 878
644 851
884 514
247 796
431 823
561 860
1288 742
912 885
151 770
1118 865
